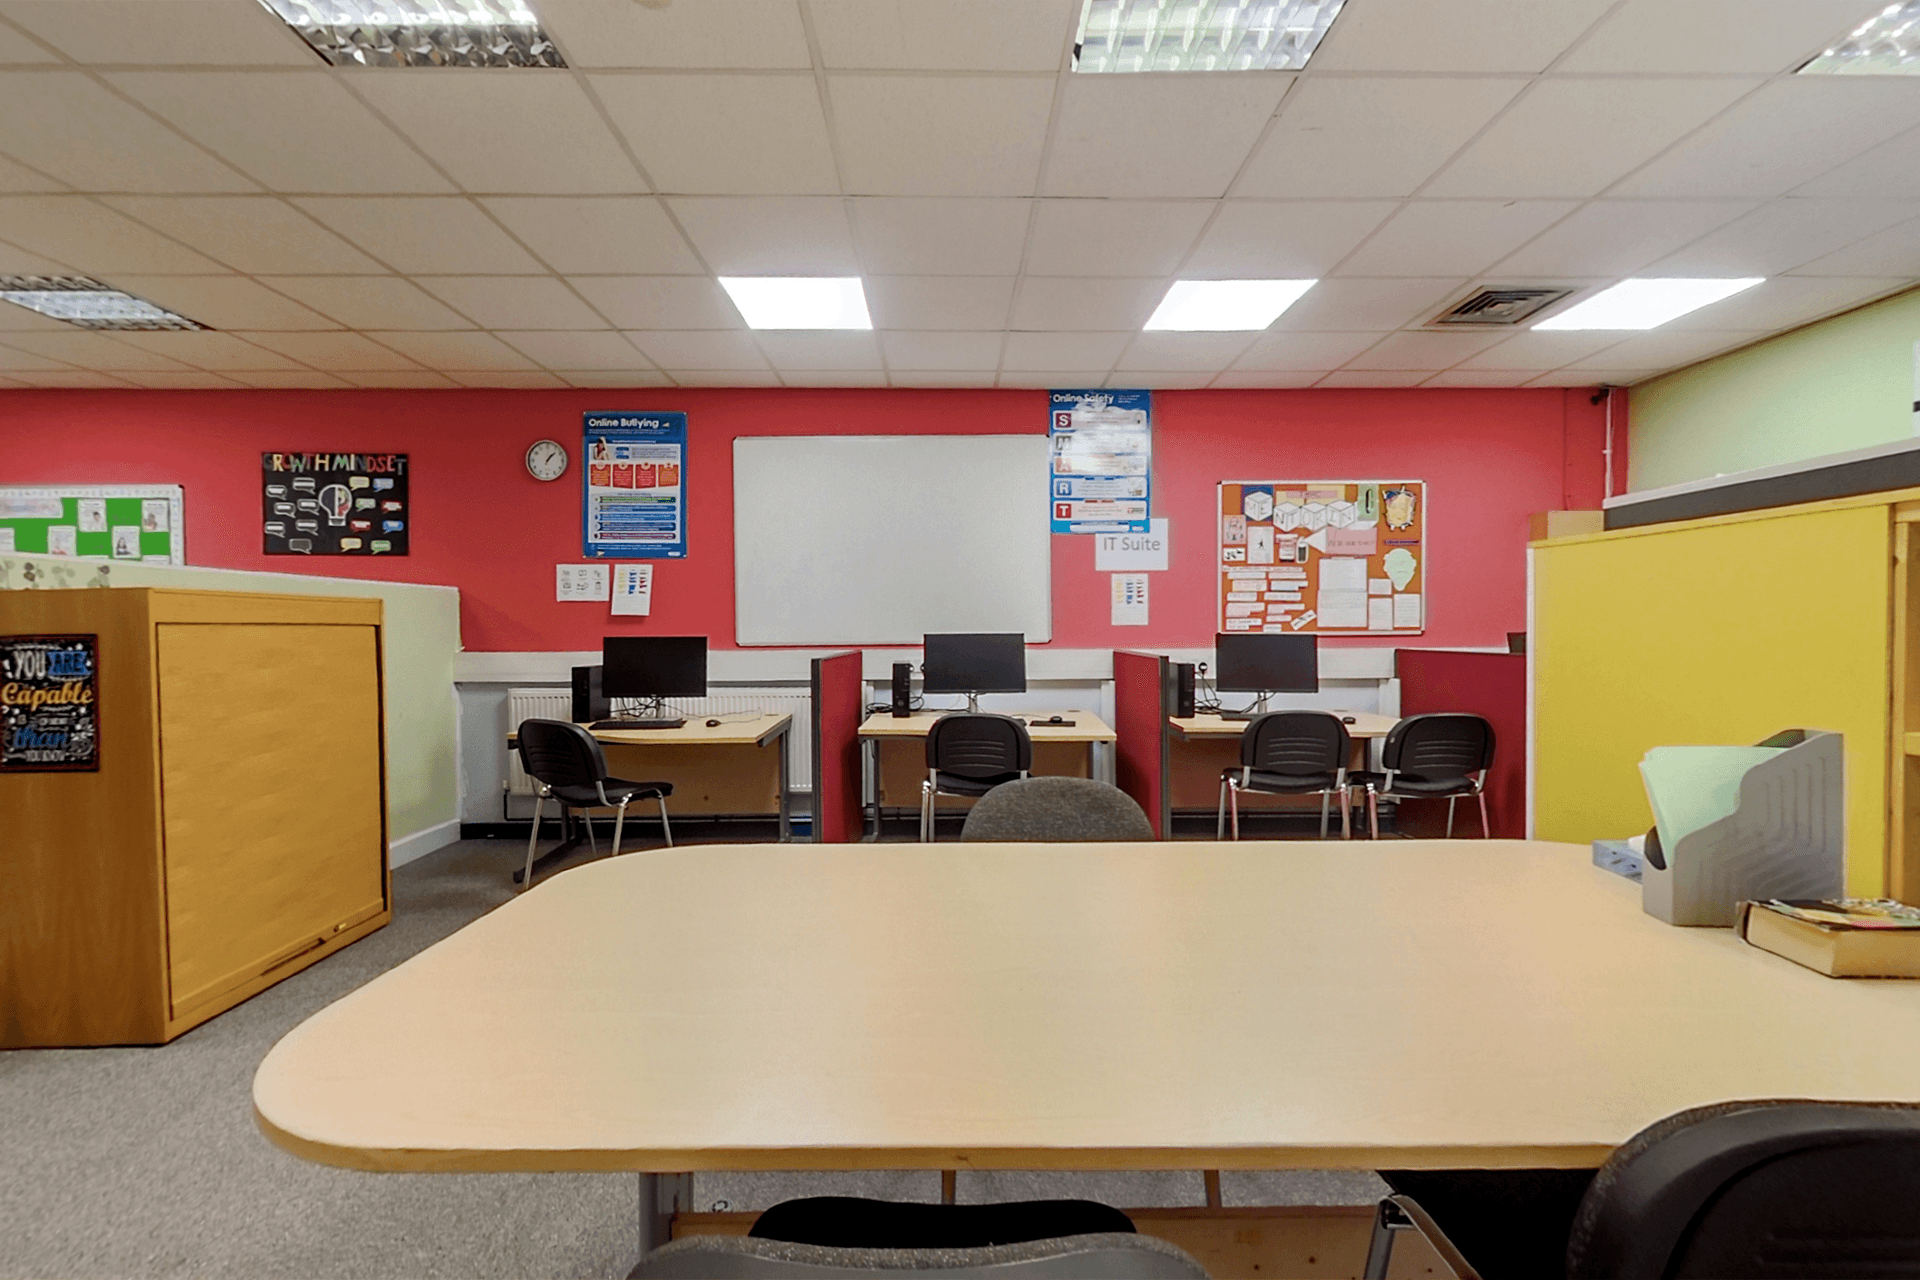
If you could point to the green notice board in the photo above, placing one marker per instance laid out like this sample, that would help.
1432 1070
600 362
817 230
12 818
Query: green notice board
109 522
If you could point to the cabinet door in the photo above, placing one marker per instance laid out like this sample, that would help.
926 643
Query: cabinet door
272 797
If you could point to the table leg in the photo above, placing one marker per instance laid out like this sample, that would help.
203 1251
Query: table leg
786 787
870 784
661 1196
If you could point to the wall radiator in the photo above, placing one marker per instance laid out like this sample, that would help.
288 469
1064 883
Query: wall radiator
557 704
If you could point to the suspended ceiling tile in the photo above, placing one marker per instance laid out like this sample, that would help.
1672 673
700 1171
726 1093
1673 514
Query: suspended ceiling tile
769 235
514 302
93 350
1785 302
1784 234
1113 237
938 378
18 360
1890 171
90 239
400 380
67 125
1465 378
224 302
1161 380
73 378
292 130
956 35
19 178
597 235
309 380
1894 252
189 381
1185 351
1263 378
939 302
1544 349
1059 350
940 135
710 33
1594 377
1356 378
1303 352
220 352
1458 37
343 353
725 377
931 350
1085 302
1662 349
424 235
1052 378
590 349
833 378
815 351
1578 137
1166 135
724 134
1719 36
507 379
252 234
457 353
17 50
1420 350
907 236
1342 305
1288 239
1455 237
1370 135
11 384
176 32
505 130
1619 237
700 349
659 302
371 302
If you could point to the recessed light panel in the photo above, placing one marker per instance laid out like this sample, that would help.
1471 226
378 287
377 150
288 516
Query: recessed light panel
88 303
799 302
1201 35
1887 44
1222 305
1645 304
420 33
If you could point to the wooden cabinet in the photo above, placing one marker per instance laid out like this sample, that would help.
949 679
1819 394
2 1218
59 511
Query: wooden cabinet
234 832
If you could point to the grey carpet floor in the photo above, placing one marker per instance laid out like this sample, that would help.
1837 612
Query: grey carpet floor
144 1162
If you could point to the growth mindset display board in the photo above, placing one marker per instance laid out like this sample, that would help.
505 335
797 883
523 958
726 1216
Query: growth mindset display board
1328 557
334 504
121 522
636 479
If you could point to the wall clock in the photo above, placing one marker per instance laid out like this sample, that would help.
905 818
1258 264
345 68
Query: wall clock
546 460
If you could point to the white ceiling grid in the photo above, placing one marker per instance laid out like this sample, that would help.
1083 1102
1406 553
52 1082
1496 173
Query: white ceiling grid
1014 223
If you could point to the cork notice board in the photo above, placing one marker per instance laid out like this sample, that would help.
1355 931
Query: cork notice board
1325 557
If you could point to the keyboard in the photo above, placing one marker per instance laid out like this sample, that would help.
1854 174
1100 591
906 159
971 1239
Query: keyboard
672 722
1240 715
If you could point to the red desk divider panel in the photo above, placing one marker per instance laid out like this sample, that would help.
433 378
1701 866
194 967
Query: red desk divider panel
838 703
1493 685
1140 729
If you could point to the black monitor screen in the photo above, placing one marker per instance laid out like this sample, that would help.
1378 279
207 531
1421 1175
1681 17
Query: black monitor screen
653 666
979 663
1245 663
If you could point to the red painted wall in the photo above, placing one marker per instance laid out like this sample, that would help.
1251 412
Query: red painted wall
483 525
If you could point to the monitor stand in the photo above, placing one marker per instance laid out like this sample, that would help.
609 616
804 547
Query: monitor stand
973 703
653 714
1259 708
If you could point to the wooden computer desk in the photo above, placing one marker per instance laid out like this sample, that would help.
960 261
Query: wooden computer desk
897 756
1274 1004
1203 745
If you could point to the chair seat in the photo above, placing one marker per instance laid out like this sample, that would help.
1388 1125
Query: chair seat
1406 784
956 784
1285 784
618 789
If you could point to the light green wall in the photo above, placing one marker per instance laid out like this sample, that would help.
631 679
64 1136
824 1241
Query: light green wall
422 636
1845 383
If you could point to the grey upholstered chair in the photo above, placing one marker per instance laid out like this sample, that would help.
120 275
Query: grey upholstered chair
1112 1256
1056 809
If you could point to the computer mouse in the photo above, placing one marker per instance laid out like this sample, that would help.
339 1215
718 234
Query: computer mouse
1348 720
713 724
1056 719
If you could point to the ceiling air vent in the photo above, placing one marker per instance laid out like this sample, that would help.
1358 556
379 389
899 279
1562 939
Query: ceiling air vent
1500 306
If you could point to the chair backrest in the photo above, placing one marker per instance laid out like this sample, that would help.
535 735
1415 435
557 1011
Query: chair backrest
560 753
1296 742
1771 1188
1082 1257
975 744
1443 744
1056 809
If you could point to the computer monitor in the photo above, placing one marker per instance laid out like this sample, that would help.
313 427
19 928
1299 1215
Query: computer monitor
1262 664
653 667
975 663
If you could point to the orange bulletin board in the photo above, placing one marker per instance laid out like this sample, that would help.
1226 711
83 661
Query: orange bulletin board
1323 557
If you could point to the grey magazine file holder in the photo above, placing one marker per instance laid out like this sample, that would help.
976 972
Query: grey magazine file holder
1785 839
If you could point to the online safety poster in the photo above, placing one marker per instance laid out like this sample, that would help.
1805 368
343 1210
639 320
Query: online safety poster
1342 557
1101 458
636 479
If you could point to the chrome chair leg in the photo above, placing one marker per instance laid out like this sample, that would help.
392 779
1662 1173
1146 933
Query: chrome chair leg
926 812
1220 819
1451 801
1346 813
665 830
586 820
533 838
1373 813
619 827
1326 800
1486 830
1233 806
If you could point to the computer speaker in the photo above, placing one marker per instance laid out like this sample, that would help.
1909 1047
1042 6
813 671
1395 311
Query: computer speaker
1183 700
589 704
903 688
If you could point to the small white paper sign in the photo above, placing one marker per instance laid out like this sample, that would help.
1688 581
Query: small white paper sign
573 582
633 589
1115 552
1129 599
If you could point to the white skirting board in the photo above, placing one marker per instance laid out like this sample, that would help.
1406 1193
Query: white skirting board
421 843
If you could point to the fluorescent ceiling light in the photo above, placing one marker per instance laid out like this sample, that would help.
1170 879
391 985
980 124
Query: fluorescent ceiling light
1645 304
88 303
799 302
420 33
1201 35
1226 304
1887 44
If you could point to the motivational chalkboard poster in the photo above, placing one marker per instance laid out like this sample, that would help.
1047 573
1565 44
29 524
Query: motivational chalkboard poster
49 720
334 504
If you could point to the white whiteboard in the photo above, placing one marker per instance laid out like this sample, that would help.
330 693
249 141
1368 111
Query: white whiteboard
882 539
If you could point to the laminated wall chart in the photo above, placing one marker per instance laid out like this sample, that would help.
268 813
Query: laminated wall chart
1101 443
636 486
1326 557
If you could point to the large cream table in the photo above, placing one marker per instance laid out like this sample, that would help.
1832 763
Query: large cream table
1407 1004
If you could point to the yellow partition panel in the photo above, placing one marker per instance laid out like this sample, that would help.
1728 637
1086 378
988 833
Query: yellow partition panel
1716 631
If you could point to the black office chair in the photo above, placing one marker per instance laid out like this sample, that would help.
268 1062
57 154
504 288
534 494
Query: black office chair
1784 1188
570 767
1427 757
970 753
1290 753
1056 809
